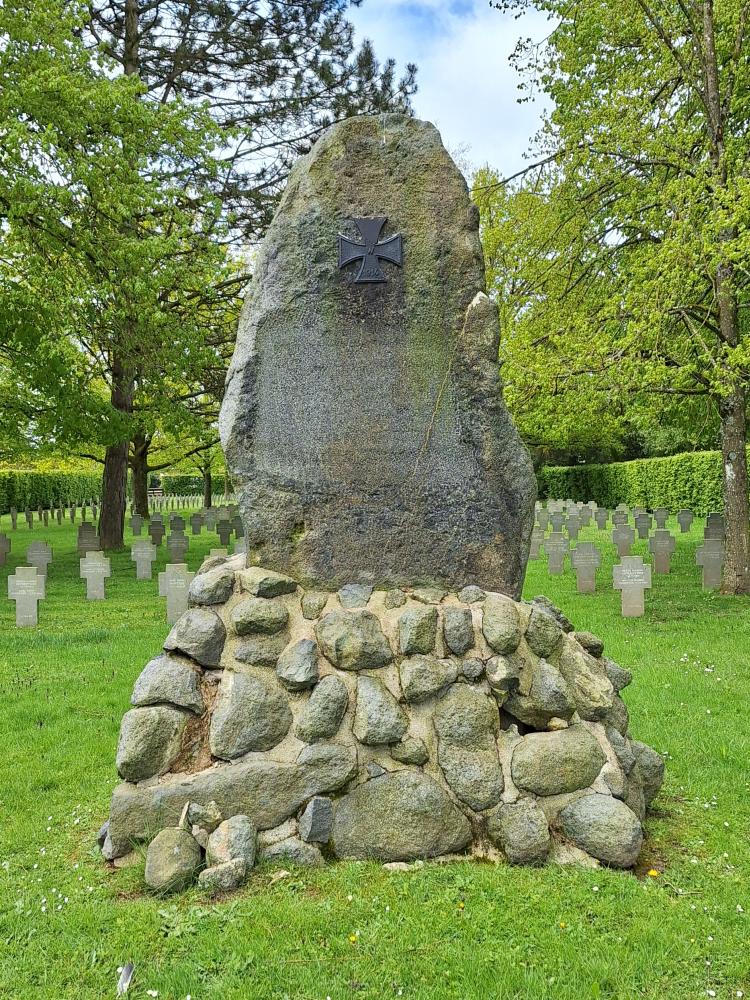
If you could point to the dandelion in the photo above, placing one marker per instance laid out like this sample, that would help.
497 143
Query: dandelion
352 939
563 925
653 873
461 905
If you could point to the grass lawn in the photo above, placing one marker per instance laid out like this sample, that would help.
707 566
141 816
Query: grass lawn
462 930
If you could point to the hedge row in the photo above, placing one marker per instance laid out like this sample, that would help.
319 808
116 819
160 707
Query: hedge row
179 485
23 489
691 479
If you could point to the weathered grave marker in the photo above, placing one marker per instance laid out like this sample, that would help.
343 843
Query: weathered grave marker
685 519
88 540
224 531
196 523
174 584
26 588
619 518
584 516
14 517
715 527
623 536
710 556
95 569
143 554
542 519
557 520
586 559
156 531
661 515
136 524
643 523
4 548
556 547
39 554
632 577
45 517
601 516
177 546
662 545
29 518
537 540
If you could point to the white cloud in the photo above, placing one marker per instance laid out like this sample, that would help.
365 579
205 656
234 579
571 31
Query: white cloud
467 85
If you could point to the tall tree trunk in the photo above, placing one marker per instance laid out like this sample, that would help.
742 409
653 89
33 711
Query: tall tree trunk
139 467
734 463
208 486
115 478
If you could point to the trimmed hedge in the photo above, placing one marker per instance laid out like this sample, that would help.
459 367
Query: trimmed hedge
691 479
22 488
176 484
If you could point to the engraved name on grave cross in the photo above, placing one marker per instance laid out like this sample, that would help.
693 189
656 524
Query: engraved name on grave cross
95 569
174 584
632 577
586 559
143 554
662 545
556 547
710 556
26 588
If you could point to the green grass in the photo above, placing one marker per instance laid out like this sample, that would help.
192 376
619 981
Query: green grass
463 930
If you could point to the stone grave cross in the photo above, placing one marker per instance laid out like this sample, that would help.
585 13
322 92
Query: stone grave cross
574 525
143 553
586 559
39 554
632 577
715 527
156 531
685 519
4 548
601 516
26 588
710 556
177 546
537 540
136 524
224 531
95 569
662 545
661 514
196 523
643 523
174 584
623 536
556 547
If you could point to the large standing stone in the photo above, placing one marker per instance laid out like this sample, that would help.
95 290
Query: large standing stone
397 817
356 413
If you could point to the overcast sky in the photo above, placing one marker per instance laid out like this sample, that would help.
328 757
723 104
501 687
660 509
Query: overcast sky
466 84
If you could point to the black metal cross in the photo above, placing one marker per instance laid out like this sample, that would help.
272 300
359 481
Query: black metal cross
370 251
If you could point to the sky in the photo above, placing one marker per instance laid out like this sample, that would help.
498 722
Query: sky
467 86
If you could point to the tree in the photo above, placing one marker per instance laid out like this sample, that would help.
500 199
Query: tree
637 244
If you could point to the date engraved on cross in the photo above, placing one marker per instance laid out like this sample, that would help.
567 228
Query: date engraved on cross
370 251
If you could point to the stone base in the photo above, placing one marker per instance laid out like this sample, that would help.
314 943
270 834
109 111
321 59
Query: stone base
389 725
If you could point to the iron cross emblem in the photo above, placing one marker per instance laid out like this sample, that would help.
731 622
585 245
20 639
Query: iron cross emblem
370 251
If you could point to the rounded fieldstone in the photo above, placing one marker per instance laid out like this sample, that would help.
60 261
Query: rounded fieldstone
213 587
521 830
353 640
590 642
313 603
428 595
548 697
169 678
200 634
618 716
603 827
619 677
466 722
472 669
557 762
423 677
150 741
410 751
588 681
501 623
394 599
542 633
503 673
207 816
540 601
259 615
354 595
378 717
417 629
458 630
224 877
261 650
262 582
293 851
297 668
234 838
251 713
172 860
316 819
651 765
322 714
471 594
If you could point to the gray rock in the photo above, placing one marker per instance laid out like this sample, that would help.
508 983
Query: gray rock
207 817
169 678
316 820
354 595
619 677
262 582
651 766
150 741
417 630
200 634
622 748
233 838
293 851
466 722
261 650
557 762
543 633
270 791
410 751
374 770
378 717
251 713
503 674
618 717
398 817
223 878
471 594
297 668
634 795
102 834
545 604
394 599
313 603
521 831
353 640
172 860
548 697
213 587
603 827
472 669
501 623
321 716
423 677
458 630
588 681
590 642
429 415
261 615
428 595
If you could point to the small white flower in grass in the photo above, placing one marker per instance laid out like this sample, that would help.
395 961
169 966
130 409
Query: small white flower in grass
711 993
739 993
739 909
36 866
726 823
44 909
709 938
595 888
152 993
350 897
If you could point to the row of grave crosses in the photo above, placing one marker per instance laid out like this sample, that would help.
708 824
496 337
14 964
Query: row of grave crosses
62 509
